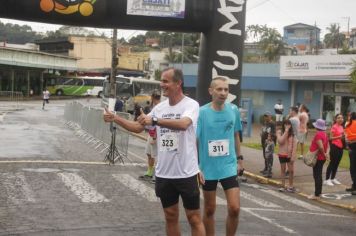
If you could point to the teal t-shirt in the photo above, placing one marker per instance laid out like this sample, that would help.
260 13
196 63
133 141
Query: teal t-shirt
216 136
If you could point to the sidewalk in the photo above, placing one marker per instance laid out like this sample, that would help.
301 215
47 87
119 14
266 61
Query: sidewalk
303 181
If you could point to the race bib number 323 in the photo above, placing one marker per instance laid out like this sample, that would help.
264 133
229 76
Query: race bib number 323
169 142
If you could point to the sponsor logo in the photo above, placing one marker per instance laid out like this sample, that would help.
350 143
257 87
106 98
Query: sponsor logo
157 2
296 65
67 7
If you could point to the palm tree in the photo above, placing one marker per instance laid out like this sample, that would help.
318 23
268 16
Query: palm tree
353 77
269 39
334 39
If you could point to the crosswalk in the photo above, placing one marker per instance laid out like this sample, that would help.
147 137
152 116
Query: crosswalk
19 190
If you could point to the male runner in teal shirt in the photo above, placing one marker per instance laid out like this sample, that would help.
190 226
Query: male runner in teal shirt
218 142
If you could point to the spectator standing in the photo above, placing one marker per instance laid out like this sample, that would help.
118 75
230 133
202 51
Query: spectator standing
303 128
46 95
151 146
286 142
336 150
350 131
320 142
268 127
278 109
269 150
119 104
294 120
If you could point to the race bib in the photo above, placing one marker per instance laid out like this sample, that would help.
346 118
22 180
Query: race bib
168 142
218 148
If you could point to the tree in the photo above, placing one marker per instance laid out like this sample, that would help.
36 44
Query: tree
353 77
14 33
269 40
334 39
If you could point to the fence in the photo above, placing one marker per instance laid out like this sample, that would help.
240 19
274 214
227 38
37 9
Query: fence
89 125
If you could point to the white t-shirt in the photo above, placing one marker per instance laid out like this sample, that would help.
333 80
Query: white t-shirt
46 94
177 155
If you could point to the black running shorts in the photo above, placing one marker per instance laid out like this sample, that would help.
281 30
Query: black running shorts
227 183
169 190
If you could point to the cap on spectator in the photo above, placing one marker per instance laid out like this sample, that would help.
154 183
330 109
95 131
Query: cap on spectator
267 113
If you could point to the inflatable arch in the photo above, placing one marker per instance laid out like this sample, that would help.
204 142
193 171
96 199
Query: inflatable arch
221 22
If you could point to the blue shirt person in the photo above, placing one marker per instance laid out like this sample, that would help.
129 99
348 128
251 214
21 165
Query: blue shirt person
218 141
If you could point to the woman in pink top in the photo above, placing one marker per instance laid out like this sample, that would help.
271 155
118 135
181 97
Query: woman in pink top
336 150
320 142
287 143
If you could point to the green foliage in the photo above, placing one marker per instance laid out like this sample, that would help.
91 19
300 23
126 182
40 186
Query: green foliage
158 74
269 40
334 39
353 77
172 40
14 33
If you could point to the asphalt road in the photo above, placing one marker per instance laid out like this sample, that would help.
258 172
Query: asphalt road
54 183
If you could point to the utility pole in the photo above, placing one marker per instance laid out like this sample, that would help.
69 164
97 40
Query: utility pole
114 63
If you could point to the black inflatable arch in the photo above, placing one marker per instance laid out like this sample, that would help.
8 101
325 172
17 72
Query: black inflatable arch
221 22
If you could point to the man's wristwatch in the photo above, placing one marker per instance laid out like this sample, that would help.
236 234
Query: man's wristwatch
154 121
240 157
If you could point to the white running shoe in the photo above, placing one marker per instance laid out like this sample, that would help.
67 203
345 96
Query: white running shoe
328 182
335 181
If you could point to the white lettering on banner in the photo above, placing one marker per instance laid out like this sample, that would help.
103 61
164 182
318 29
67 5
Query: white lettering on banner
227 28
227 11
224 66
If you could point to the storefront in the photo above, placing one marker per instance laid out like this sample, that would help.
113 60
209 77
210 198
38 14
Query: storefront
320 82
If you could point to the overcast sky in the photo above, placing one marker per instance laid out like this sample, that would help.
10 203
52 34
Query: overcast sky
273 13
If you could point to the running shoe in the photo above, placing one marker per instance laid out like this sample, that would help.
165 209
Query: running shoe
335 181
328 182
291 190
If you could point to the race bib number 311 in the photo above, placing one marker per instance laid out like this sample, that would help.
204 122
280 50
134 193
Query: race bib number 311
169 142
218 148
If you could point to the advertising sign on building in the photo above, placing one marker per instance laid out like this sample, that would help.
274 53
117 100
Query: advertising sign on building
332 67
157 8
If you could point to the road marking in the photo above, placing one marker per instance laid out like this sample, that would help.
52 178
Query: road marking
82 189
258 201
17 188
70 162
285 197
136 186
297 212
293 200
270 221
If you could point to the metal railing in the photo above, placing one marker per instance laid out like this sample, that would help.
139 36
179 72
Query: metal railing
12 97
89 125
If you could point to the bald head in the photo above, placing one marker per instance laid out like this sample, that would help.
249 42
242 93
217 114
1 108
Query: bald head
213 82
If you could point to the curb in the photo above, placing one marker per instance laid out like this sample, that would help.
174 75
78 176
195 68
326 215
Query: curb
277 183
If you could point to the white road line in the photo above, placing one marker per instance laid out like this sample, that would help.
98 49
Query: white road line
136 186
293 200
270 221
258 201
17 188
298 212
82 189
70 162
